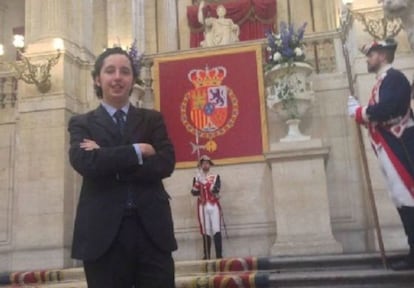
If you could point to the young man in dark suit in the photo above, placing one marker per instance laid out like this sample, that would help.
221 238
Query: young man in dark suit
389 119
123 227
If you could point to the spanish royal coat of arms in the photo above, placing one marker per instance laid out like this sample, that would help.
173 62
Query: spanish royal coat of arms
210 109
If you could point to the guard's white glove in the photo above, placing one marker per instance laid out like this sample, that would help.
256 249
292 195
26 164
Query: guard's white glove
353 105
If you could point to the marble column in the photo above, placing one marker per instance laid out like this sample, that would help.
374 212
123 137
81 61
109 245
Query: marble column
300 12
183 28
6 31
151 26
167 25
46 185
138 23
100 24
120 22
126 21
325 15
3 9
333 14
301 204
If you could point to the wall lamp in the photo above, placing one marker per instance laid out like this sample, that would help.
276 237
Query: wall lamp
33 73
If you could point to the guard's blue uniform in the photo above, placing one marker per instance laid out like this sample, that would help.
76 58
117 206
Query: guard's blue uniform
390 122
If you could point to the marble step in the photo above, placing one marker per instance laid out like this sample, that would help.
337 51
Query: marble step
349 278
281 264
363 270
337 279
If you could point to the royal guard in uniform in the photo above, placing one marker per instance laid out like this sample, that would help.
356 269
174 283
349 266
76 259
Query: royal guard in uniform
389 120
206 186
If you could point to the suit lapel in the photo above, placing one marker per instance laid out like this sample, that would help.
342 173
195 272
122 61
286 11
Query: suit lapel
103 119
133 122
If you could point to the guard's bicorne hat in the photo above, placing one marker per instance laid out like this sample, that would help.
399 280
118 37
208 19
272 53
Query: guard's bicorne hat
205 158
388 44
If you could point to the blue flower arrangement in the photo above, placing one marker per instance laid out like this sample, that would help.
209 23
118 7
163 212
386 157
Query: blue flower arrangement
136 60
287 46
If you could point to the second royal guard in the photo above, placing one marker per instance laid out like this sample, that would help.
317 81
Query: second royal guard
206 186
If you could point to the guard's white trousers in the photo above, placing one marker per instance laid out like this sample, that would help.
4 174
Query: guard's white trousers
209 214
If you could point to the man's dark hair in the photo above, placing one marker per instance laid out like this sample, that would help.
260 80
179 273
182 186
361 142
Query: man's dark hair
100 61
389 55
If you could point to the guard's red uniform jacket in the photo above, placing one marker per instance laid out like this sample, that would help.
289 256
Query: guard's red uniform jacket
207 188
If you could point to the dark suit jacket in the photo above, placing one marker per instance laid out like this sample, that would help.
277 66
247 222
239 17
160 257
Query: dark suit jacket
113 170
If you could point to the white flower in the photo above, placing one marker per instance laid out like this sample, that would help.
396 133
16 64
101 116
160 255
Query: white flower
298 51
277 56
269 49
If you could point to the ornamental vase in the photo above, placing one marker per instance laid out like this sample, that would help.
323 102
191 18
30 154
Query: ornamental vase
289 94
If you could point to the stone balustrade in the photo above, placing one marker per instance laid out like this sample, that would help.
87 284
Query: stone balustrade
8 90
323 51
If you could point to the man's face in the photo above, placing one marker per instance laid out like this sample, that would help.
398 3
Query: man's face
115 79
375 60
205 166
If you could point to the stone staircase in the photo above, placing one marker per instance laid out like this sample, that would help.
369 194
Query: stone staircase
339 271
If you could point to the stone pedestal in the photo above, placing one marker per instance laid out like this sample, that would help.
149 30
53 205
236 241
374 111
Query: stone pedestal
301 204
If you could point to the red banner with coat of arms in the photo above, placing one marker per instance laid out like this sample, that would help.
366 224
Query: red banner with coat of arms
213 104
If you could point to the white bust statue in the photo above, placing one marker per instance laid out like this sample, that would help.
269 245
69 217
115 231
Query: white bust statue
218 31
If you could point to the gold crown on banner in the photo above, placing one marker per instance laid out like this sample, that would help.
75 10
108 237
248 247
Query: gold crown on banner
207 77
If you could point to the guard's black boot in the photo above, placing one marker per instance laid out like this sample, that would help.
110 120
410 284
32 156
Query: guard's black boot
217 245
206 247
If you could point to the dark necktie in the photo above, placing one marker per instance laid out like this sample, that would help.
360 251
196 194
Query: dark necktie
120 121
